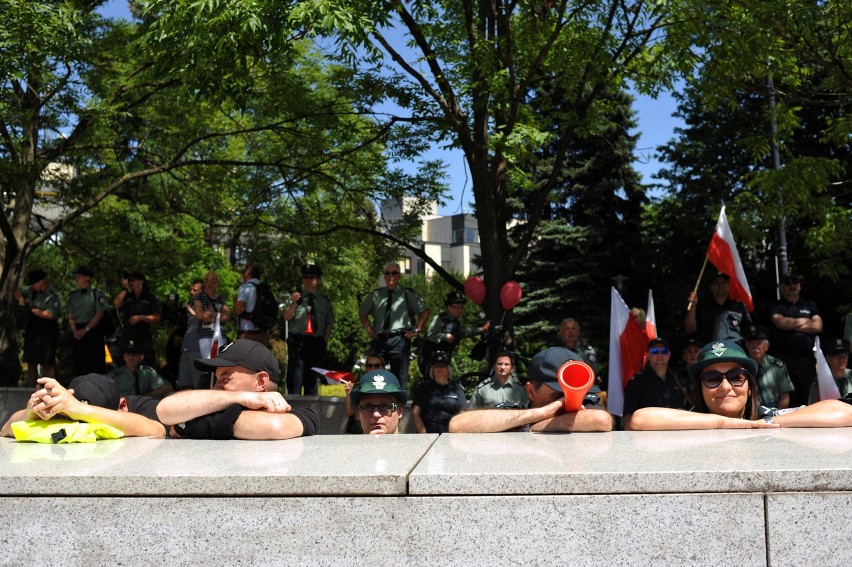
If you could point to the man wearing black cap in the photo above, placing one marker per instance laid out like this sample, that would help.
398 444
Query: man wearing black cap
836 353
773 381
656 385
446 330
85 308
719 318
795 324
247 376
92 398
379 402
38 316
310 320
547 409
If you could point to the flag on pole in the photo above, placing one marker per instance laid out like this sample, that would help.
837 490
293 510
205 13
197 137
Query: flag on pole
828 389
627 345
651 318
334 376
217 336
723 253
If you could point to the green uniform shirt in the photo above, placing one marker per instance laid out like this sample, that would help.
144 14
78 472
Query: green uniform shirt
405 308
444 324
84 303
772 380
322 315
489 393
149 380
48 300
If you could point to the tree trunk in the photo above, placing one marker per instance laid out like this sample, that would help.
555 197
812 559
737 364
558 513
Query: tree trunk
10 363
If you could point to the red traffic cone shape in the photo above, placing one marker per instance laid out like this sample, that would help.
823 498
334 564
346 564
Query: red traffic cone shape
576 378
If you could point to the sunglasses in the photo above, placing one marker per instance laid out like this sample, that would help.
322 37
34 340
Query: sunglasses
391 273
734 376
383 409
659 350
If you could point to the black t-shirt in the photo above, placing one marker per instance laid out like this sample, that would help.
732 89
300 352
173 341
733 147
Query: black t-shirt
438 404
792 344
220 425
146 406
646 389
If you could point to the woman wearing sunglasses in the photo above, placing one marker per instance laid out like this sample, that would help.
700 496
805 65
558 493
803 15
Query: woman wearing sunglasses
726 398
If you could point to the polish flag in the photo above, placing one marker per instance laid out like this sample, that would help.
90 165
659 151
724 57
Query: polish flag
722 252
627 345
334 376
825 381
651 318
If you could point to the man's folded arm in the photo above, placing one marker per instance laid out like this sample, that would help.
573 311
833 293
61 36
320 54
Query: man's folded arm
260 425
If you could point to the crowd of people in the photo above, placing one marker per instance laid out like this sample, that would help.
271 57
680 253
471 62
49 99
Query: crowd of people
727 378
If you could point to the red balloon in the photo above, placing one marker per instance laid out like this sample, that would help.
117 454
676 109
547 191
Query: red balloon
474 289
510 295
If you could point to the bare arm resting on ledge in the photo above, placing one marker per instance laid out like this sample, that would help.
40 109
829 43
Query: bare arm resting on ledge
190 404
827 413
550 418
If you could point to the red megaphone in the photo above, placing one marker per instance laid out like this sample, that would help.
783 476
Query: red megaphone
576 378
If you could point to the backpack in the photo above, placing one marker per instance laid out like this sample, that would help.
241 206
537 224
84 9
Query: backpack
265 313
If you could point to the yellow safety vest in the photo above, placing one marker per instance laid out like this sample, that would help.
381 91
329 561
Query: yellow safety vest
63 431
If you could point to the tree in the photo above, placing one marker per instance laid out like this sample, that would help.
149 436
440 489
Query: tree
468 74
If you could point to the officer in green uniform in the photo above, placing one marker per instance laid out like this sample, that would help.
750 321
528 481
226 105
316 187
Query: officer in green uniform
135 378
84 310
569 332
446 331
399 315
38 316
310 320
773 380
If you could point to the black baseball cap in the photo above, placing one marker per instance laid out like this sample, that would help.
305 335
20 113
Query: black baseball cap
454 298
440 357
658 341
836 346
35 276
84 270
96 390
243 352
312 270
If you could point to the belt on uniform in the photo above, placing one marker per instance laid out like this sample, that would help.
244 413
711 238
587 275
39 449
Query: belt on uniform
392 334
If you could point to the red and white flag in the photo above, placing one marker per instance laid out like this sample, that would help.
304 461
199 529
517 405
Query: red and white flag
217 336
627 345
651 318
828 389
334 376
722 252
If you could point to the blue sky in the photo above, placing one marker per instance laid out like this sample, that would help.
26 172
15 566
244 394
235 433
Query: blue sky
655 127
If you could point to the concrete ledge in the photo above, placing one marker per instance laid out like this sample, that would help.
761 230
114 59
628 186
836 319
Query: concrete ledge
779 497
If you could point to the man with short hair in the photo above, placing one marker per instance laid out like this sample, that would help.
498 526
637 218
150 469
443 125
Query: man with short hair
795 324
569 332
244 402
688 356
135 378
773 381
656 385
86 307
379 401
836 353
719 318
547 409
38 315
399 315
91 398
310 318
502 388
245 303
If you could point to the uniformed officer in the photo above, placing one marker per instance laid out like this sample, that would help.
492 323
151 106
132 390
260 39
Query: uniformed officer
569 332
135 378
399 314
85 308
446 330
773 381
311 319
38 317
719 318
